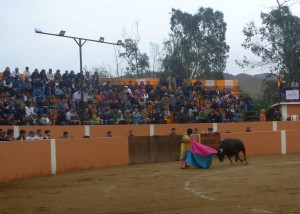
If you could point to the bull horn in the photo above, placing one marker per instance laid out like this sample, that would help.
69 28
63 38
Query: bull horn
221 150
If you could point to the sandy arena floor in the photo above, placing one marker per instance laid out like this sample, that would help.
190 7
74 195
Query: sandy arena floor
269 184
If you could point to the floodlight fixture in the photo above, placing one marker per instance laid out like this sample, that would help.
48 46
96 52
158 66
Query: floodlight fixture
38 30
62 33
80 42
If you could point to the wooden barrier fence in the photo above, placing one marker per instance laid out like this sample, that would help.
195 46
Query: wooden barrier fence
23 159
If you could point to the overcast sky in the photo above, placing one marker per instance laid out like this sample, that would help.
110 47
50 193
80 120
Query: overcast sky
20 46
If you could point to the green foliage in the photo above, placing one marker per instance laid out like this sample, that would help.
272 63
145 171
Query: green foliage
276 43
270 91
136 60
197 46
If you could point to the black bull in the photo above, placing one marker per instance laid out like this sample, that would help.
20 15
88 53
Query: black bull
231 147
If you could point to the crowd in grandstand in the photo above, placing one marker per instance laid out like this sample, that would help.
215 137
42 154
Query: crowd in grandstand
28 99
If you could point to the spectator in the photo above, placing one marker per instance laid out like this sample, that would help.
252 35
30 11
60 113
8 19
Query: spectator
6 73
39 135
118 117
62 105
29 109
130 133
61 118
77 95
15 73
9 135
262 115
47 135
1 135
7 84
65 136
167 115
58 91
22 135
26 73
95 120
57 75
137 117
86 117
26 85
248 129
50 75
107 115
294 84
44 120
173 132
277 115
72 117
158 117
202 116
210 130
30 135
128 117
109 134
37 94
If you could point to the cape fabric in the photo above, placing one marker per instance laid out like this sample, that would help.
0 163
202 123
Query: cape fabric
199 155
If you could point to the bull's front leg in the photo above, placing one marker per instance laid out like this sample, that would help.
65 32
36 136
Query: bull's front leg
229 157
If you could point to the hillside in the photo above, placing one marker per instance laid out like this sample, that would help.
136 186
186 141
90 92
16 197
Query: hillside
249 84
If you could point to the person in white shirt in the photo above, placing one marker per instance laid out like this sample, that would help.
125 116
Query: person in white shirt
77 95
26 73
39 135
29 110
30 136
127 89
15 73
50 75
44 120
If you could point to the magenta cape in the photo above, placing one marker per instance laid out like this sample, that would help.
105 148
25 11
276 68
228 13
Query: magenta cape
200 155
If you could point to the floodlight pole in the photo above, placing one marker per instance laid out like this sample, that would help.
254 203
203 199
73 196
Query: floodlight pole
80 42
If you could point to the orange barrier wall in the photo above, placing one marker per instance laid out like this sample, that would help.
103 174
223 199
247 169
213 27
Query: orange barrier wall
91 153
119 130
288 125
292 142
24 159
293 109
165 129
258 143
241 127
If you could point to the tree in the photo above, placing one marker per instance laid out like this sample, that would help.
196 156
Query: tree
276 43
270 91
155 54
118 61
136 60
197 46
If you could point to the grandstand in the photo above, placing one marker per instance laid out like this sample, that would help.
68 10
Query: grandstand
178 100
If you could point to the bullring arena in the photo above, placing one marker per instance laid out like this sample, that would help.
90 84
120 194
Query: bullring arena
141 174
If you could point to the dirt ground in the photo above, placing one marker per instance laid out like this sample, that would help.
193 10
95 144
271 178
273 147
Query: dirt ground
269 184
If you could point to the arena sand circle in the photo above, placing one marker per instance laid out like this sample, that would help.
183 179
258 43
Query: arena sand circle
267 184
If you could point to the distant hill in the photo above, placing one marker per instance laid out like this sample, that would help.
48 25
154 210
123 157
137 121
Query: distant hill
249 84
